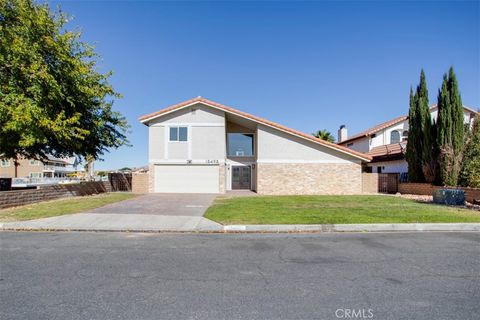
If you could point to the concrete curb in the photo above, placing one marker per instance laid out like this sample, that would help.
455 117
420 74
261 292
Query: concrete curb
376 227
317 228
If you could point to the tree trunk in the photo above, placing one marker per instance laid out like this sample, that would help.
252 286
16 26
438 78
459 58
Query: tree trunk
16 164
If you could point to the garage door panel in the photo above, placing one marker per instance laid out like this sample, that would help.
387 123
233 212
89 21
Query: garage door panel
186 179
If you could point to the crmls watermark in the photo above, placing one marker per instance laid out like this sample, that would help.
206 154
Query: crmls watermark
354 313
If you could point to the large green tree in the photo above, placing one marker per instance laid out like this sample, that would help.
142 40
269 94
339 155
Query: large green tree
53 100
470 172
420 154
450 129
324 135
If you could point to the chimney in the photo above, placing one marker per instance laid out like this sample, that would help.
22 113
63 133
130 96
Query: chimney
342 133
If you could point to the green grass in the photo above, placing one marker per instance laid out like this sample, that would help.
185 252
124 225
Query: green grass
332 210
61 206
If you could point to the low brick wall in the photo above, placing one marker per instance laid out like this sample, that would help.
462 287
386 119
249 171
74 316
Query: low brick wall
369 182
23 197
417 188
471 194
309 178
140 182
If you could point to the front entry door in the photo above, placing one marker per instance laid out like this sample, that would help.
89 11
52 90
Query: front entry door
241 177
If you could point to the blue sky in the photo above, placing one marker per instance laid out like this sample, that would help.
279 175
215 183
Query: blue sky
306 65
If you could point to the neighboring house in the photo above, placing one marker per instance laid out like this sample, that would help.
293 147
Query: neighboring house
29 168
200 146
386 142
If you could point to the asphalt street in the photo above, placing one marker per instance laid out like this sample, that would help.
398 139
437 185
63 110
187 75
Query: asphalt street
237 276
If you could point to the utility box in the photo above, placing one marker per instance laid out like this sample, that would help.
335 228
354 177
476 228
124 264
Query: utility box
451 197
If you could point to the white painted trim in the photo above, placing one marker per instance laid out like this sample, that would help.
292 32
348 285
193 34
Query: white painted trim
171 111
250 119
193 124
189 139
303 161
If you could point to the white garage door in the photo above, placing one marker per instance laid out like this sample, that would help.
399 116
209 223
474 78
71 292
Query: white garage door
187 178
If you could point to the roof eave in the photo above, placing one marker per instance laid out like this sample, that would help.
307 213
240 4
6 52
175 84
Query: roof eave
149 117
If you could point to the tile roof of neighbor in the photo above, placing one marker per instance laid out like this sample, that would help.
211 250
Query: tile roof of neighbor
387 124
375 129
144 119
388 149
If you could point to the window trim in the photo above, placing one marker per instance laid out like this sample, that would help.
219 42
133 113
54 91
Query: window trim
254 151
178 134
8 163
37 174
399 136
34 162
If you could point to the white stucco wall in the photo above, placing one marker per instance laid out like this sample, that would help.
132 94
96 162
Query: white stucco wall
396 166
467 116
206 136
277 146
383 137
360 145
197 113
156 141
208 142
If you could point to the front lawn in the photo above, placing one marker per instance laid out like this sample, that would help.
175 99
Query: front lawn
62 206
332 210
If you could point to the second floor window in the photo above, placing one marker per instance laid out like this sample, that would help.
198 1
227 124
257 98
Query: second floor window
178 133
394 137
34 162
240 145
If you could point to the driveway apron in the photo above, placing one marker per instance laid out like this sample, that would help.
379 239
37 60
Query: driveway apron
151 212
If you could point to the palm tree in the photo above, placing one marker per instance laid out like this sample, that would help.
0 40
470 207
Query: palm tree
324 135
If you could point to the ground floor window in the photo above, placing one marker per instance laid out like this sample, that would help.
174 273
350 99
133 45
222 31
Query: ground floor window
35 174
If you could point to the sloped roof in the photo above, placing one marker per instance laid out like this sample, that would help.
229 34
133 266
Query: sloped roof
384 125
375 129
146 118
388 149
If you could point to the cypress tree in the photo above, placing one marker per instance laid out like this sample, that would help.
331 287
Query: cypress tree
419 153
414 145
428 161
450 128
470 173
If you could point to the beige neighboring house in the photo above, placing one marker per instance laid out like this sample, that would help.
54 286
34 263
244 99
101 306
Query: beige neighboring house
29 168
201 146
386 142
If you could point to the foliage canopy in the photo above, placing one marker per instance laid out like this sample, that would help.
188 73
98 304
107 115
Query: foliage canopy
52 98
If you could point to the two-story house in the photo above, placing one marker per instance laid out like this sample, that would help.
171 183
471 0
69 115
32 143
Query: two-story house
200 146
31 168
386 142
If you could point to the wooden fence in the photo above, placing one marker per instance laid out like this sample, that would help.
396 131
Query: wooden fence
388 182
120 181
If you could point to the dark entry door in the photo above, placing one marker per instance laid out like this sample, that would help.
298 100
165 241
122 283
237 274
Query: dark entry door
241 177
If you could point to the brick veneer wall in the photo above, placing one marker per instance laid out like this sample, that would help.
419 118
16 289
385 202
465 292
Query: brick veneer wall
309 178
471 194
370 182
22 197
140 182
151 178
221 175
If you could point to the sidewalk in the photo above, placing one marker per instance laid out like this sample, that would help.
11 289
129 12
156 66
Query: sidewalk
115 222
162 223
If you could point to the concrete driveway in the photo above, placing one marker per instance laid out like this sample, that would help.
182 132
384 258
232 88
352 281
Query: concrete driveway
151 212
165 204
